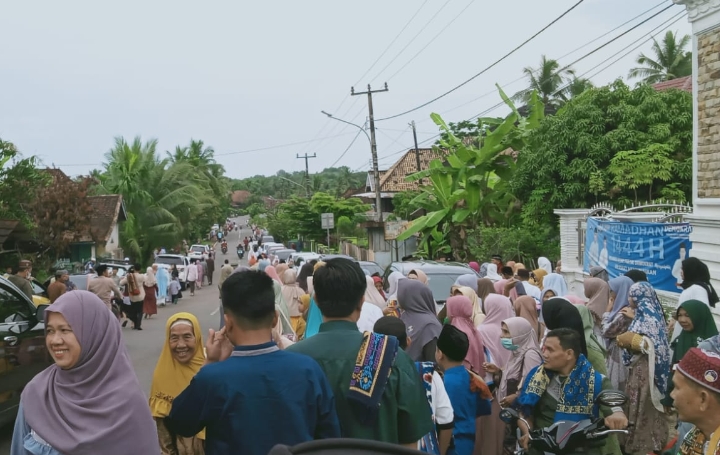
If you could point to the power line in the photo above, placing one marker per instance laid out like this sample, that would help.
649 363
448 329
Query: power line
342 103
489 67
346 149
432 40
559 58
662 28
278 146
422 29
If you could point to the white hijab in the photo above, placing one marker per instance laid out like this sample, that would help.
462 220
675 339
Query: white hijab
372 295
492 273
393 280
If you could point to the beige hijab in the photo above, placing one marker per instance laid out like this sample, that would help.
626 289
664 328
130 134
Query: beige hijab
421 276
291 292
598 293
372 295
478 315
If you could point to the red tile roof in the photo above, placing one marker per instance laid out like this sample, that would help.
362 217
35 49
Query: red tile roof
681 83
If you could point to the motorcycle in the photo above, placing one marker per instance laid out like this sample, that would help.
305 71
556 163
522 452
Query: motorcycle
564 438
240 252
224 248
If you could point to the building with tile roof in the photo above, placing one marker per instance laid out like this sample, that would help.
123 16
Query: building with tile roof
681 83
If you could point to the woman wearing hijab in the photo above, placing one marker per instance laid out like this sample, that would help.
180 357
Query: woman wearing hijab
89 401
393 279
418 275
518 266
485 287
292 294
163 281
545 264
475 266
305 271
598 272
598 293
537 277
314 316
697 324
371 309
201 271
696 286
647 381
378 284
526 308
616 323
596 348
372 295
180 360
417 306
556 283
263 264
460 314
492 273
281 268
560 313
490 430
272 273
150 285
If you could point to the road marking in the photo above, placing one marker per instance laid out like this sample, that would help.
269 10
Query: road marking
215 312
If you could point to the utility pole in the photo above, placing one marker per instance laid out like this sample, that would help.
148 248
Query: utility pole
417 151
373 145
307 171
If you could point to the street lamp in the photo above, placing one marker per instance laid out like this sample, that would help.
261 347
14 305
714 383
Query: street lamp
294 182
376 170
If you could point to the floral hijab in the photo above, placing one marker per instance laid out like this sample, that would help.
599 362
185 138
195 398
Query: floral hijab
649 321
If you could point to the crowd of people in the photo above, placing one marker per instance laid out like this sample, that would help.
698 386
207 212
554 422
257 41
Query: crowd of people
331 353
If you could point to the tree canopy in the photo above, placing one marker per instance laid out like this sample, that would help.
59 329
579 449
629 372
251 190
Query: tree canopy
284 185
610 143
670 61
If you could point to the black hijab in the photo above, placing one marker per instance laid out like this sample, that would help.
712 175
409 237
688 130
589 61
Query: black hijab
696 272
305 271
636 275
559 313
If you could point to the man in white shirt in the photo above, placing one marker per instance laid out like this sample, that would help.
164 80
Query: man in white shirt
530 289
191 276
442 411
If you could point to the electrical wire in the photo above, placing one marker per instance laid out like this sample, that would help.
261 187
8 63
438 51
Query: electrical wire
488 67
422 29
654 32
347 96
432 40
346 149
277 146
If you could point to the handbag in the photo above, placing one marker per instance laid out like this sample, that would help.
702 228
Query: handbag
631 341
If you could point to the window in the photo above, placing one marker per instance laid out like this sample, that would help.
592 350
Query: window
15 312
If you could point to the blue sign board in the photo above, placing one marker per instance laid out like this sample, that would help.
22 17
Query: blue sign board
657 249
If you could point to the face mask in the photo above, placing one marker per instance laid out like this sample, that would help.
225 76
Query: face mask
508 344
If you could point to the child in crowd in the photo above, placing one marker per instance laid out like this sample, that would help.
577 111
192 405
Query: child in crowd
174 289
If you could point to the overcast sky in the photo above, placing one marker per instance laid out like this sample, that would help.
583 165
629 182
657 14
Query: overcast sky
246 75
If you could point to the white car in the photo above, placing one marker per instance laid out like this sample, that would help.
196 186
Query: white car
215 227
182 263
300 258
196 251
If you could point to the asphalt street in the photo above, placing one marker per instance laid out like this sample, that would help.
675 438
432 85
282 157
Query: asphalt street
144 346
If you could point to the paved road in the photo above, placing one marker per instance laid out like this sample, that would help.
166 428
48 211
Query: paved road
145 346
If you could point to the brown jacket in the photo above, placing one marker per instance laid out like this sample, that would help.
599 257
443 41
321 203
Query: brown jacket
104 287
55 290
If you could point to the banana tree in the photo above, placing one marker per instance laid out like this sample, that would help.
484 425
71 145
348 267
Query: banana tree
470 186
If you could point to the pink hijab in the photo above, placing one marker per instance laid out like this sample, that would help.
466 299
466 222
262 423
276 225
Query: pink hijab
497 309
272 273
460 312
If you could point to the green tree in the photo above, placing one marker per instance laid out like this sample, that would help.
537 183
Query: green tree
19 182
671 60
472 188
167 200
548 81
567 161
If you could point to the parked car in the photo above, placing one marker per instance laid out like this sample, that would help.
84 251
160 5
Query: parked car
122 267
284 253
441 275
81 281
182 263
300 258
40 295
22 346
196 251
267 239
371 268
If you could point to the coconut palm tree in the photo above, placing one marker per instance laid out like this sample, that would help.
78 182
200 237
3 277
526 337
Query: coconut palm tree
548 80
670 61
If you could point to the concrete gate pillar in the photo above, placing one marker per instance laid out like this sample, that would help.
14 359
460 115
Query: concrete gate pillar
704 15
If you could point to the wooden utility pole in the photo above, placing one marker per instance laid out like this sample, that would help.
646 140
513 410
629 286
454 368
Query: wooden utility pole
417 151
306 157
373 145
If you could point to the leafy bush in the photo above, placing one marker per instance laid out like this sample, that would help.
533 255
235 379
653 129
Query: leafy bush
514 243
